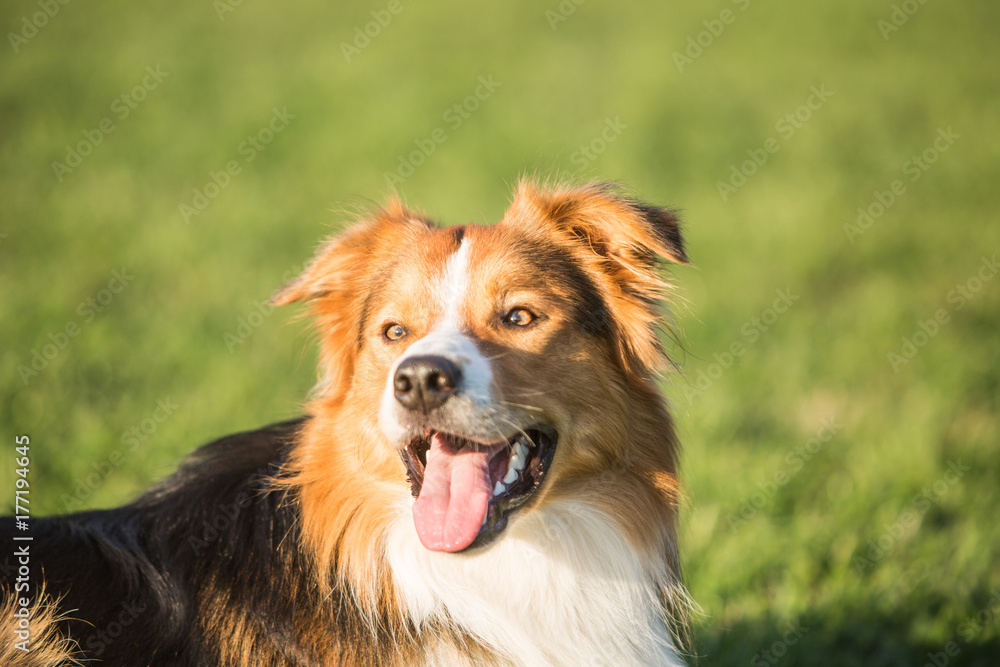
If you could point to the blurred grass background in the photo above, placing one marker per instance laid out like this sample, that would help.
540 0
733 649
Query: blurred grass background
848 538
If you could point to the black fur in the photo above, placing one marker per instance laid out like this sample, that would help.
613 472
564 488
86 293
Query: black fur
135 579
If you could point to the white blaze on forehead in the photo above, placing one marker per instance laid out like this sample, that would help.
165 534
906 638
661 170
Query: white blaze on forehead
453 286
447 338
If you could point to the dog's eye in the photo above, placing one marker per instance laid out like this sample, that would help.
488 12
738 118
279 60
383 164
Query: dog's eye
394 332
519 317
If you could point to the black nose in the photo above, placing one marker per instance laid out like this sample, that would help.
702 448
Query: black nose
425 383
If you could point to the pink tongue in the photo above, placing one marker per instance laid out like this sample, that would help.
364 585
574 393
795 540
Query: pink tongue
453 499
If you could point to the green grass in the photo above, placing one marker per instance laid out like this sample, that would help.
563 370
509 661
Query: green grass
796 556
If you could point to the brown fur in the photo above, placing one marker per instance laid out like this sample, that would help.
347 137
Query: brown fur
346 475
48 647
301 576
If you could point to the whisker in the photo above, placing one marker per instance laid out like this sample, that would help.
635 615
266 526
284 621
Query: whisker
523 394
517 428
499 431
520 405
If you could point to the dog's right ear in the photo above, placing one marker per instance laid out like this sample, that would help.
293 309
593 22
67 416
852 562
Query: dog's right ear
337 281
619 239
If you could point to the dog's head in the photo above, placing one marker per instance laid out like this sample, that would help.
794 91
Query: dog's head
487 369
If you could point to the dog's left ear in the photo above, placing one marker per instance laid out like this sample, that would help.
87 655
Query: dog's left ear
619 238
338 279
331 268
337 265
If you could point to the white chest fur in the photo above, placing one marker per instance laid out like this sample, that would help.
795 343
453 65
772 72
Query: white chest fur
562 586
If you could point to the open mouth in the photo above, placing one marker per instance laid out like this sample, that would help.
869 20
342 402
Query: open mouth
466 491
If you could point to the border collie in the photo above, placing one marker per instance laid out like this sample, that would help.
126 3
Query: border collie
487 474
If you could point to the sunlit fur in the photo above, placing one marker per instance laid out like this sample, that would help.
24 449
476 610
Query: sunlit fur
44 645
589 572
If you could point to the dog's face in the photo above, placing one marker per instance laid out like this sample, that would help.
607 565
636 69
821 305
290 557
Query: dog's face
493 366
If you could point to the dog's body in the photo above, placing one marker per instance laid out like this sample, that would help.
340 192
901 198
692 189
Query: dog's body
487 476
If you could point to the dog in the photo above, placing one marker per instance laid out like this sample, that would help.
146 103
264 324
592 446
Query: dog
486 475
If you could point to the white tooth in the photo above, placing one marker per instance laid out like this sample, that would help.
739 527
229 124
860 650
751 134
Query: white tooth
518 458
497 490
485 514
511 474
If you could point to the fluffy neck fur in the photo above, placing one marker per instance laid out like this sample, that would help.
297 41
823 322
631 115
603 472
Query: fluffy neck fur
563 587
